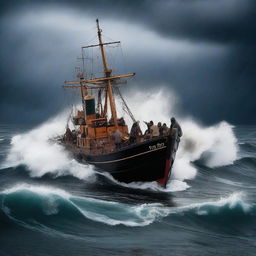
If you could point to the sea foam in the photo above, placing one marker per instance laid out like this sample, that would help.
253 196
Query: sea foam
47 200
215 145
40 155
27 203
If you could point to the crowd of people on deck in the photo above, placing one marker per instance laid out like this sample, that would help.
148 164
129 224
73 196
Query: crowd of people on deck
136 135
152 131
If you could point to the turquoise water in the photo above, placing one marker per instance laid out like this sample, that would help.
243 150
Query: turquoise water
77 211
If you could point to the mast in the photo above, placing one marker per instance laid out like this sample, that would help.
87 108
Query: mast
107 74
106 82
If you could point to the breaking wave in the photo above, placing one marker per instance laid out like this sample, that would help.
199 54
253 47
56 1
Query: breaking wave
40 155
234 203
215 145
171 186
29 204
46 207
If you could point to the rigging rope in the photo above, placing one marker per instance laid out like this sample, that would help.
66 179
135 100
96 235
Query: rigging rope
125 104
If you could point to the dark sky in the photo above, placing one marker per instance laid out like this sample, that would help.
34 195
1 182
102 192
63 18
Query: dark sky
204 50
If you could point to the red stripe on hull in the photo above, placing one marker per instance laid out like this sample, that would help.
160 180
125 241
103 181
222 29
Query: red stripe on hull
164 180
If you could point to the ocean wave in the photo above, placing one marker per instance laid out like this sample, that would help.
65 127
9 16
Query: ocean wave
249 145
248 161
230 205
42 156
229 182
171 186
230 215
215 144
39 204
247 150
245 167
59 210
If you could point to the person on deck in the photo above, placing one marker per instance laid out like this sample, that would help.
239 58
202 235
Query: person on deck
148 131
175 132
121 121
160 128
117 137
165 130
135 132
175 125
154 130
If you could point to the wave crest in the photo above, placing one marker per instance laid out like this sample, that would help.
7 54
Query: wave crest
31 204
41 156
215 145
55 208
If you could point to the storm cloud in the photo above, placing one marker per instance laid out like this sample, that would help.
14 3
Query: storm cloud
204 50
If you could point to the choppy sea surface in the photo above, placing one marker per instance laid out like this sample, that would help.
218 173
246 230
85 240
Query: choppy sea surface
52 205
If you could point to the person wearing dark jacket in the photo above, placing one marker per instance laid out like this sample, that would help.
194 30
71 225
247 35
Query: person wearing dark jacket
160 128
175 125
135 132
175 132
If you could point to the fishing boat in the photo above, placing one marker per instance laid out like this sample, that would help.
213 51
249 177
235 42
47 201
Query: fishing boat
144 158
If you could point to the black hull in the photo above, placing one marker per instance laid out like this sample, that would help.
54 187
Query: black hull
146 161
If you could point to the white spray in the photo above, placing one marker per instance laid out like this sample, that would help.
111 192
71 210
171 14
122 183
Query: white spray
41 155
216 145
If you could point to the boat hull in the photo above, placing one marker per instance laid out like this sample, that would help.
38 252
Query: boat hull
146 161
